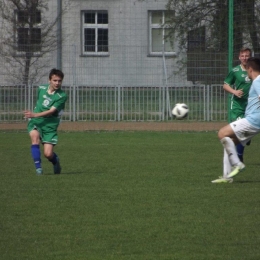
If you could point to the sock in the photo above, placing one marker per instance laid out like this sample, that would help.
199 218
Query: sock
240 151
230 148
36 155
53 160
226 165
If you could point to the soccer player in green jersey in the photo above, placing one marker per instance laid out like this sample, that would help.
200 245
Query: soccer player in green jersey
238 84
45 119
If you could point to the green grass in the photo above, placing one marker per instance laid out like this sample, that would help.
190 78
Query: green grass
128 195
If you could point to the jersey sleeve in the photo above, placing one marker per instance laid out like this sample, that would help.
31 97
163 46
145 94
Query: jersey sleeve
59 104
230 79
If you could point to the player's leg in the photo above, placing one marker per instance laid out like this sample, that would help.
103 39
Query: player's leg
52 157
235 115
237 165
244 132
49 140
226 170
240 151
226 165
35 150
240 131
228 139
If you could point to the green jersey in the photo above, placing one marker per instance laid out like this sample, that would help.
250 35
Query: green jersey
238 79
46 101
47 125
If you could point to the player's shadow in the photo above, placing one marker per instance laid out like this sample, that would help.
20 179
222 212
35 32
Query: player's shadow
255 164
79 172
68 173
63 173
245 181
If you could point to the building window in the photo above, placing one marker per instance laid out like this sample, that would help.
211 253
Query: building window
28 31
160 41
95 32
197 39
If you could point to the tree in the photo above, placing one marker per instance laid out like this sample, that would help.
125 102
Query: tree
27 36
201 28
213 14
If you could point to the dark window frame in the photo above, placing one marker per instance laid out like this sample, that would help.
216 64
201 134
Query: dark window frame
95 32
28 33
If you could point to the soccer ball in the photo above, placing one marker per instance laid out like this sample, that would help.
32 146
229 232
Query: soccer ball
180 110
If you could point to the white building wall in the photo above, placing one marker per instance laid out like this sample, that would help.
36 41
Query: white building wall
128 62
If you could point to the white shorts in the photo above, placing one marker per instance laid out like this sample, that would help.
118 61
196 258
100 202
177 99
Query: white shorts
244 131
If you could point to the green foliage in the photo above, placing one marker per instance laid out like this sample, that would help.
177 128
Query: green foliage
127 195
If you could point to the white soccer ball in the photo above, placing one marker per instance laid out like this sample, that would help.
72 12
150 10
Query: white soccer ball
180 110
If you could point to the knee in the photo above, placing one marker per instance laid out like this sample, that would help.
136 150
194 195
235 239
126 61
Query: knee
48 154
224 132
220 134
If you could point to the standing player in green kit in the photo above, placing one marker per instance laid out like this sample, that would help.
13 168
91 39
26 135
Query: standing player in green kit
45 119
238 84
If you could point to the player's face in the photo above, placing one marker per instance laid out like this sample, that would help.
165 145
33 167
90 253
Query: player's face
55 82
244 56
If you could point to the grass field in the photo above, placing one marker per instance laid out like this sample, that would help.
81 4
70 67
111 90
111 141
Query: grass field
128 195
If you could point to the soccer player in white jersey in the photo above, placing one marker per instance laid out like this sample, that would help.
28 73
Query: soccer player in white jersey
243 130
237 83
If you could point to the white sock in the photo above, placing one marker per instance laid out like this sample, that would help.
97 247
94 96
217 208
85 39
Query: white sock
230 148
226 165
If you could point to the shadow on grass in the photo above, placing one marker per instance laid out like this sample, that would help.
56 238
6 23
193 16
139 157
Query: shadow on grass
242 182
63 173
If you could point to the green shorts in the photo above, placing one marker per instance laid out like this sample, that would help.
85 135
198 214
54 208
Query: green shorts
235 115
47 130
237 110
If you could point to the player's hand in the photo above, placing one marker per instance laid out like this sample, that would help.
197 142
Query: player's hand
239 93
28 114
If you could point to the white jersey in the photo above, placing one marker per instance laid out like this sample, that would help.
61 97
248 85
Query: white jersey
252 113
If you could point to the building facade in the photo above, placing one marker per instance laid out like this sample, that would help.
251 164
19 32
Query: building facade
101 43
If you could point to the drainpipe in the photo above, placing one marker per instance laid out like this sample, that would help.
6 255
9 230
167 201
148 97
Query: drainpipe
59 34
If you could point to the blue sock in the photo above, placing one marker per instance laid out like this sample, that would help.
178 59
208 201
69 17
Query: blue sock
54 158
36 155
240 150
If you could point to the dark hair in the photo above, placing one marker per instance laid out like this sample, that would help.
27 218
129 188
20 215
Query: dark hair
57 73
245 49
253 63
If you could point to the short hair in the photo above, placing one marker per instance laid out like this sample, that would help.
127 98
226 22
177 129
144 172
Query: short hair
57 73
245 49
253 63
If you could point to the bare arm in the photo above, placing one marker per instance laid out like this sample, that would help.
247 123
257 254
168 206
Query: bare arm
29 114
237 92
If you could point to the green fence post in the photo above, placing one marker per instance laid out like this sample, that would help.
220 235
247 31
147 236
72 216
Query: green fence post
230 44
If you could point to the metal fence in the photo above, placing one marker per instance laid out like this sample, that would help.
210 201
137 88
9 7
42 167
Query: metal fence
121 103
